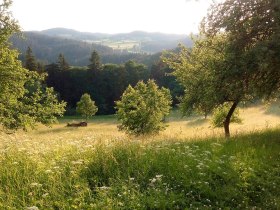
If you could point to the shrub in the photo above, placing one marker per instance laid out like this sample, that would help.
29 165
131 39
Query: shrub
220 114
142 109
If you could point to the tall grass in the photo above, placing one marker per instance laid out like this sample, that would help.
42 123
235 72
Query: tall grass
140 174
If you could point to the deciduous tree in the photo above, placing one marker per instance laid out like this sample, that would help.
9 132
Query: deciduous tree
24 100
142 109
86 107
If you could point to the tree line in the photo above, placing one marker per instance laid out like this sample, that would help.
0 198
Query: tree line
105 83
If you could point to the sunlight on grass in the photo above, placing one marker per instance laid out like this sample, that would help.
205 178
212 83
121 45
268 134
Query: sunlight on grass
99 167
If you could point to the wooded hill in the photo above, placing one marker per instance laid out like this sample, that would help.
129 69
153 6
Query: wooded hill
77 46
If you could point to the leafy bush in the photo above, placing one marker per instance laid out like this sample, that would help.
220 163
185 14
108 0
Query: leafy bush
142 109
220 114
86 107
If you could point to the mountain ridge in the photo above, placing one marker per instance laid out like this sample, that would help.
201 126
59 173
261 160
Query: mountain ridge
77 46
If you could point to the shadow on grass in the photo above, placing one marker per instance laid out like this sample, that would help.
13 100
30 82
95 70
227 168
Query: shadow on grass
197 122
59 130
95 119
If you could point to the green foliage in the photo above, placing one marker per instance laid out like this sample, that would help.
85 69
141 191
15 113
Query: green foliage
95 62
30 61
253 29
220 114
235 59
142 109
167 174
24 99
86 107
62 63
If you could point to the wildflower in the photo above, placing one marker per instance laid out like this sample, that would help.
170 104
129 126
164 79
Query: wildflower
78 162
35 184
131 179
48 171
45 195
159 176
153 180
104 188
32 208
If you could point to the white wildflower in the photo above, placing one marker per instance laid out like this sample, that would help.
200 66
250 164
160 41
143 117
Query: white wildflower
159 176
104 188
32 208
45 195
48 171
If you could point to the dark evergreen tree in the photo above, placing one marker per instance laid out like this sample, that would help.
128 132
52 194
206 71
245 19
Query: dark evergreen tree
30 61
95 62
62 63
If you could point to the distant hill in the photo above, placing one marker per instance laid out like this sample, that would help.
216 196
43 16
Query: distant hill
113 48
47 48
136 41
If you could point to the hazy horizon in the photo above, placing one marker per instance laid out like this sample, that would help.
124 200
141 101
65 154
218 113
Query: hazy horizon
111 17
103 32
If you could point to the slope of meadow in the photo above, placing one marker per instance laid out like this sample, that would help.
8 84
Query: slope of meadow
188 166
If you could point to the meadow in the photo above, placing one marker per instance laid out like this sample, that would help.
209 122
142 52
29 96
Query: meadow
128 45
188 166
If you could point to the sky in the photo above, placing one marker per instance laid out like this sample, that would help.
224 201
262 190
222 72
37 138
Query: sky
111 16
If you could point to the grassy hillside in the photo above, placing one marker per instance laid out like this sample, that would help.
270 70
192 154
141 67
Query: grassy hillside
99 167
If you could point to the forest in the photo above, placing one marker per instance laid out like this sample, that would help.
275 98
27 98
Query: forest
104 82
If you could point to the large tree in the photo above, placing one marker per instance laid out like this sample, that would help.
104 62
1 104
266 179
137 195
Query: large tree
24 100
235 59
253 30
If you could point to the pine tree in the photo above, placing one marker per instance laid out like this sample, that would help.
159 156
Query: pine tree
95 62
30 61
62 63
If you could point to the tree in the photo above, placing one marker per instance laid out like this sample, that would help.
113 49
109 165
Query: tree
86 107
62 63
30 61
95 63
210 77
24 100
253 28
142 109
163 76
236 58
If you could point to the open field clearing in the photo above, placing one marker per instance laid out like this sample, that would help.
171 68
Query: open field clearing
98 167
104 128
120 45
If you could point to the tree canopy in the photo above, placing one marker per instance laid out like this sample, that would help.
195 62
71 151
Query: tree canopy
142 109
235 59
24 100
86 107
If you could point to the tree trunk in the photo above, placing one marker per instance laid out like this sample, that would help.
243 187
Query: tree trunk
228 117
